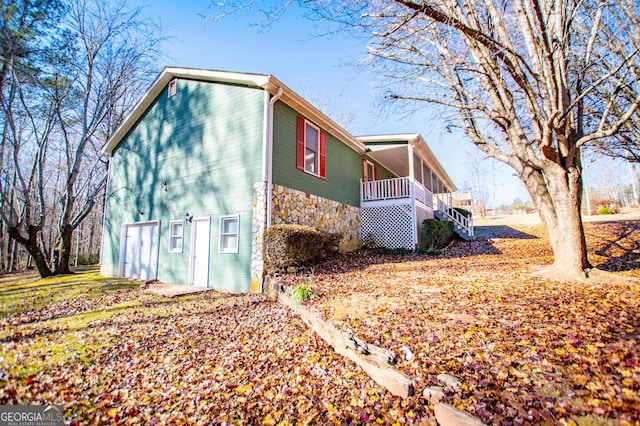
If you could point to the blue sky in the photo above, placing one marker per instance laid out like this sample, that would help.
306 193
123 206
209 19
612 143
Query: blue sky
319 68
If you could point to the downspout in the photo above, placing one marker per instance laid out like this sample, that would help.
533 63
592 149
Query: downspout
268 151
104 212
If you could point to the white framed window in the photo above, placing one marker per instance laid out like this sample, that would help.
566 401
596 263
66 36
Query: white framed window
311 149
229 234
176 236
172 88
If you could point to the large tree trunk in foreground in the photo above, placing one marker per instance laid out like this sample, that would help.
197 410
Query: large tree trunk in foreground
557 195
566 235
568 243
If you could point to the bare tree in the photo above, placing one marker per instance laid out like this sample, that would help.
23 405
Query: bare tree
24 26
117 49
339 110
532 82
58 113
478 177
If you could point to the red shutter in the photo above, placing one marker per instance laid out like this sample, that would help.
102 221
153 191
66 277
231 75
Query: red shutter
365 178
323 154
300 144
375 172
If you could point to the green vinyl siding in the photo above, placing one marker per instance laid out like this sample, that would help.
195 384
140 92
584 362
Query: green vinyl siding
198 152
343 164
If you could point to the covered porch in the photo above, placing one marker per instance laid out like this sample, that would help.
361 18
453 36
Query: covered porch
393 208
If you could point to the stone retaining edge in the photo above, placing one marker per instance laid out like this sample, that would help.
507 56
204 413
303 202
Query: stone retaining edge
382 373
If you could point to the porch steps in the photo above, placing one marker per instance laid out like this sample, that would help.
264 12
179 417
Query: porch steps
466 233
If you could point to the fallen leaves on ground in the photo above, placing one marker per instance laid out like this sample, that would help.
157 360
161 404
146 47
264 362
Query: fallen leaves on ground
527 350
126 357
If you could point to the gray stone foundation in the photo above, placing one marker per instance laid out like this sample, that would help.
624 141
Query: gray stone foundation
257 229
291 206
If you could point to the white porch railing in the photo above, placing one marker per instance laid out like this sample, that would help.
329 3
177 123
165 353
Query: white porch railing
458 218
422 194
386 189
383 192
393 189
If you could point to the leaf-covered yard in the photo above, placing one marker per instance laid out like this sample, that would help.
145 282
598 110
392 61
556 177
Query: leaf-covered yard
112 354
527 350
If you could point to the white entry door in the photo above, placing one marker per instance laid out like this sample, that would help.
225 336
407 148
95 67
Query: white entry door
200 252
141 251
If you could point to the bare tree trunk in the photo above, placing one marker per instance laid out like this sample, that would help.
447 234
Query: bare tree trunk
4 249
31 245
90 243
63 250
13 251
557 194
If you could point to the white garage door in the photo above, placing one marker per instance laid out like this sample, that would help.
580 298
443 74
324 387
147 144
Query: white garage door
141 251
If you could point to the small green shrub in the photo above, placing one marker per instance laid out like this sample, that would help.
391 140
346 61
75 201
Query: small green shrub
288 246
303 292
604 210
435 234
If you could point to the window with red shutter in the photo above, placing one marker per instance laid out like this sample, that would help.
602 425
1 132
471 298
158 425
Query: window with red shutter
310 148
300 144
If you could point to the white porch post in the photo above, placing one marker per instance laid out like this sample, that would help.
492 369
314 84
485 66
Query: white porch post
414 211
411 166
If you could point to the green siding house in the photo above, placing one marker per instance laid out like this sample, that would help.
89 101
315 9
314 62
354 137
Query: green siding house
208 160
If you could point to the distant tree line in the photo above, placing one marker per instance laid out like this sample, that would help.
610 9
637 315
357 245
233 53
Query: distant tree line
70 70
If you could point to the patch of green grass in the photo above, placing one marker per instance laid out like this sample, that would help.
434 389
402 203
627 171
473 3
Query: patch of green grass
47 353
75 318
60 342
604 210
24 292
303 292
